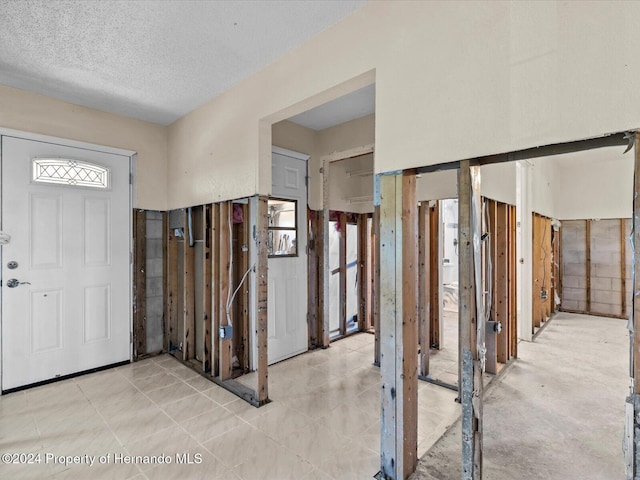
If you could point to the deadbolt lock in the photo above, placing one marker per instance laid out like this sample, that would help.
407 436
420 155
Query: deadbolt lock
12 265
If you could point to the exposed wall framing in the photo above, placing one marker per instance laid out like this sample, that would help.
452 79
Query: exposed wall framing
542 301
596 267
207 258
148 288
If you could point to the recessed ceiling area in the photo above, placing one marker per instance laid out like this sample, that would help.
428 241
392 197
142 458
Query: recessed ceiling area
155 60
348 107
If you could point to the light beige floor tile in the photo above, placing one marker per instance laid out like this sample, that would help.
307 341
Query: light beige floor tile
238 445
353 463
146 423
348 420
209 425
200 383
315 443
317 474
198 466
275 462
281 421
170 442
245 410
220 395
189 407
171 393
154 382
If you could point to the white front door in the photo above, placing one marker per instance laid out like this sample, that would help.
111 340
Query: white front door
65 270
287 297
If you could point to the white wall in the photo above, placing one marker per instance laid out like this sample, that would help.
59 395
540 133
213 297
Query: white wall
454 80
595 184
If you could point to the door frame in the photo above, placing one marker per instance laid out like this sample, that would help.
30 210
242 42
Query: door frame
7 132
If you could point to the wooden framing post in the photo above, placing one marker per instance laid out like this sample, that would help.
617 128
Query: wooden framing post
139 283
206 289
471 386
224 264
243 293
623 269
424 289
215 289
501 285
362 272
399 325
490 250
324 265
342 298
375 283
434 280
165 281
313 299
513 295
262 294
188 294
587 240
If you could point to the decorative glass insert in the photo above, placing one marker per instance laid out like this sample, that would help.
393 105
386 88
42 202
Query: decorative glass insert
70 172
282 241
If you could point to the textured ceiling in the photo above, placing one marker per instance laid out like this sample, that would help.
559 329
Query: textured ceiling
149 59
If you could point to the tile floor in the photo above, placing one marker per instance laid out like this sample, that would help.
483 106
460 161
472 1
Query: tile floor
323 422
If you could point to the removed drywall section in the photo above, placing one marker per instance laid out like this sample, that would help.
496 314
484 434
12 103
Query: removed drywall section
34 113
596 267
154 281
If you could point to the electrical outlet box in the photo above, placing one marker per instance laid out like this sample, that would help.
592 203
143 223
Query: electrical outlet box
226 331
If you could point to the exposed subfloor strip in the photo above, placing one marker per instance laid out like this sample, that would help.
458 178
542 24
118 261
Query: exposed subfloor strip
558 413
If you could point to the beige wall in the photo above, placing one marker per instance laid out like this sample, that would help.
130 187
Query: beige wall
453 80
21 110
335 143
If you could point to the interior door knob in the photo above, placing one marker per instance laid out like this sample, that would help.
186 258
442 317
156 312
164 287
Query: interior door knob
14 282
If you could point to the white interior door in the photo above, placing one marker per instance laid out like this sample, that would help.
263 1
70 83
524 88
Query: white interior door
65 271
287 294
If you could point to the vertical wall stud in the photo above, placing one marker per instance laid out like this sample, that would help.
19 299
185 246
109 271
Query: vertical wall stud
623 269
206 290
362 272
434 270
471 382
188 294
262 292
399 326
165 278
325 268
588 262
224 264
375 287
501 287
342 298
424 287
139 284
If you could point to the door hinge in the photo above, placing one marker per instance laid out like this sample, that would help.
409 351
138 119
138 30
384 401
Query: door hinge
130 337
306 181
131 179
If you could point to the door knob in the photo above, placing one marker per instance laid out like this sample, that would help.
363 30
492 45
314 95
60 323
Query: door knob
14 282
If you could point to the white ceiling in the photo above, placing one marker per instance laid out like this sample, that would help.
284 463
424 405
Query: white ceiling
155 60
349 107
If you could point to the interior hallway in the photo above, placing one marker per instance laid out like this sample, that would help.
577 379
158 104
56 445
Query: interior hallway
323 423
559 411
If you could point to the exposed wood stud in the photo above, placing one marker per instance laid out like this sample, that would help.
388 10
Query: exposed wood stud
312 284
139 284
434 270
375 284
322 318
471 379
424 288
172 290
325 266
490 250
362 272
215 289
206 290
399 326
225 344
262 291
342 299
188 295
245 238
635 271
623 269
501 287
588 262
513 257
165 281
